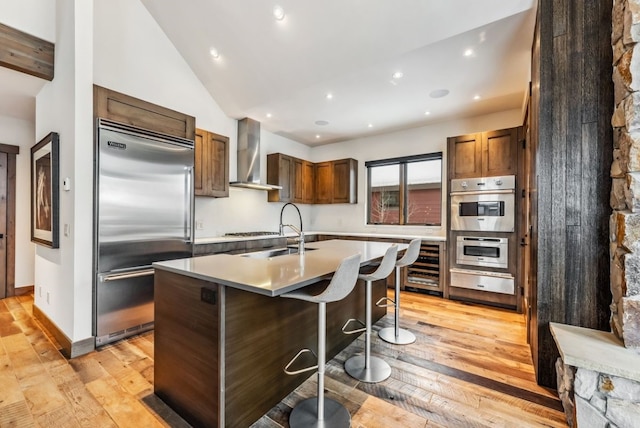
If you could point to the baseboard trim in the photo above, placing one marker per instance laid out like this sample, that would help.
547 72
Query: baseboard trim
20 291
68 348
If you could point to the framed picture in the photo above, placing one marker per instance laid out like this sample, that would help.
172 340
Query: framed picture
45 191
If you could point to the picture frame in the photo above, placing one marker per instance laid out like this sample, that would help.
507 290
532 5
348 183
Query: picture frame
45 191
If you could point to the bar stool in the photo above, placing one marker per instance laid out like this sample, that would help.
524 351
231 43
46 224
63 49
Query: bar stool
365 367
318 411
396 334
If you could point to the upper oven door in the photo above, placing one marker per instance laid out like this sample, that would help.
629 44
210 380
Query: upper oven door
487 212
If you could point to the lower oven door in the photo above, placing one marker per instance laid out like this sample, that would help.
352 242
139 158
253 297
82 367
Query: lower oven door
483 252
480 211
483 281
124 304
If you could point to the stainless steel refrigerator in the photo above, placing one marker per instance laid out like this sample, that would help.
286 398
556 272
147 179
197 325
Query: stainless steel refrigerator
143 213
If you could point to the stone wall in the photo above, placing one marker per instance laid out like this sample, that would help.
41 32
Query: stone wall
625 173
597 400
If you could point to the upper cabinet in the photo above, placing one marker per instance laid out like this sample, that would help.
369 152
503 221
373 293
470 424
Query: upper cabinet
331 182
211 172
280 171
345 181
323 183
484 154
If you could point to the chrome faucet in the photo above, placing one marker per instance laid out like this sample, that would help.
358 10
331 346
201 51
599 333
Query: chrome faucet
300 233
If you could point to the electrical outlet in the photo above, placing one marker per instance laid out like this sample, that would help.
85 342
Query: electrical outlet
47 297
199 225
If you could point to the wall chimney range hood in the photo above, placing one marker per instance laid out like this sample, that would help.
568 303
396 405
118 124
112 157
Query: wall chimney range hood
249 157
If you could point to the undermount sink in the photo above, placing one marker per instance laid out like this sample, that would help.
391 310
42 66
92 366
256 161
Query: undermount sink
274 253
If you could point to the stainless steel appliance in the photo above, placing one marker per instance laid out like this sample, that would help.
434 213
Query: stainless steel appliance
483 204
143 213
496 282
482 251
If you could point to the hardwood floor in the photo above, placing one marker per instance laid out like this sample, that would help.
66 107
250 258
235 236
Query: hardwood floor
470 367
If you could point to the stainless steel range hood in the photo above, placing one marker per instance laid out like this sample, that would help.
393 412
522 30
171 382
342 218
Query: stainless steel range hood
249 156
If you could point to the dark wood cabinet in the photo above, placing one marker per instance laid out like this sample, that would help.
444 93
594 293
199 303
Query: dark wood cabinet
465 156
499 152
280 171
323 183
211 164
308 182
345 181
484 154
331 182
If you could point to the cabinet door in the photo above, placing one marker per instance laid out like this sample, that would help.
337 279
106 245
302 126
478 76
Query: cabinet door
199 175
344 181
211 164
219 165
297 176
324 183
465 156
308 182
279 172
499 152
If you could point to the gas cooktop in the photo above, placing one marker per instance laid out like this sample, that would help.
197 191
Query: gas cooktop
242 234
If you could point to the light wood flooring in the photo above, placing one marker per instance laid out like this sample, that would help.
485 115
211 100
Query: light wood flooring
470 367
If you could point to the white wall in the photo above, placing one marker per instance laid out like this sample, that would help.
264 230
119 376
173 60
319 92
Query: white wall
21 133
63 276
34 17
426 139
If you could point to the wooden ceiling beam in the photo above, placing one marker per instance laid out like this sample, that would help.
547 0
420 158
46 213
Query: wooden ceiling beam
25 53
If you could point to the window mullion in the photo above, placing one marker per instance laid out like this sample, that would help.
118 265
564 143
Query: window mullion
403 194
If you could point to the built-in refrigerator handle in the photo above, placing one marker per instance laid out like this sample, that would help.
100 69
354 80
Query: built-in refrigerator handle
188 220
125 275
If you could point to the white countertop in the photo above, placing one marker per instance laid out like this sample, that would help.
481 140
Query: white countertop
277 275
217 239
595 350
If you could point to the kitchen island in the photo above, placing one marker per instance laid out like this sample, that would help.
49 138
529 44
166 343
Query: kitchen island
223 336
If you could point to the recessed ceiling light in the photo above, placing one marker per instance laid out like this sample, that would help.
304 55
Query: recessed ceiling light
317 136
268 115
370 125
278 12
468 52
439 93
321 122
476 97
329 96
214 53
397 75
427 113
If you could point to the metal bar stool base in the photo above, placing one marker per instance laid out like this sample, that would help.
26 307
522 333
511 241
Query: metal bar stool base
377 371
404 337
305 414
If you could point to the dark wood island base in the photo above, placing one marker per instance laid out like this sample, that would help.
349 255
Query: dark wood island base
220 351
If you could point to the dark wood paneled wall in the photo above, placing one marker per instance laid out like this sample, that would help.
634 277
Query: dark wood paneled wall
572 144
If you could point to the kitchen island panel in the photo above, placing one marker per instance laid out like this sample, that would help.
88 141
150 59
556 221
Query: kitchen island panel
186 373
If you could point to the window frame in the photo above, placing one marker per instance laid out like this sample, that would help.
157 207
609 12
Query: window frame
402 163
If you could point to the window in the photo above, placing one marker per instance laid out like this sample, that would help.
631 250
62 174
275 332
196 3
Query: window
405 191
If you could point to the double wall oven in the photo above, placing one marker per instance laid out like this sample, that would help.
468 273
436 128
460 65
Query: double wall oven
482 223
